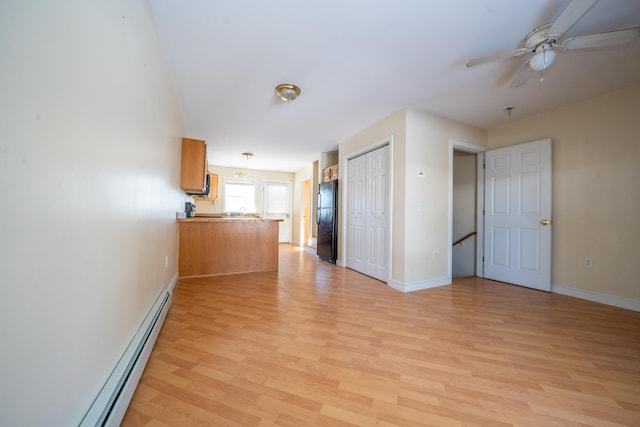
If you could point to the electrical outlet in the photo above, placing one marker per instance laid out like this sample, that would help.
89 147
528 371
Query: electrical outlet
587 263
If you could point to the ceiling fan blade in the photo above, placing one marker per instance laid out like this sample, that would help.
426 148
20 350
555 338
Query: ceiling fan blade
495 57
568 17
610 38
523 73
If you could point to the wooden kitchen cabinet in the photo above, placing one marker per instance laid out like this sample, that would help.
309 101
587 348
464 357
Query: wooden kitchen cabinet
330 173
326 174
212 246
335 174
213 187
193 172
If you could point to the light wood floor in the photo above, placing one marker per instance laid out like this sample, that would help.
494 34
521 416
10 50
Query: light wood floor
319 345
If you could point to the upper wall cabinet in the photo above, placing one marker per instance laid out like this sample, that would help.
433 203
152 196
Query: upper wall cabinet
213 187
330 173
193 174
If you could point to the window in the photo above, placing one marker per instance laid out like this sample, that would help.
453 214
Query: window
239 195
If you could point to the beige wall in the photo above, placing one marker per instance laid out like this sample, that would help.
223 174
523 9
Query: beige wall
420 213
328 159
259 176
427 200
392 127
89 170
596 182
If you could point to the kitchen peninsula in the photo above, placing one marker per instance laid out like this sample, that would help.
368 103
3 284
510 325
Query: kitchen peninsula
227 245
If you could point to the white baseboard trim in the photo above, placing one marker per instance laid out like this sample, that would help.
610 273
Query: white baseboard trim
616 301
112 401
420 285
309 249
174 281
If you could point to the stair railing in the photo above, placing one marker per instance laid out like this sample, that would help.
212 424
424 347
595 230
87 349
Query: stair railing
457 242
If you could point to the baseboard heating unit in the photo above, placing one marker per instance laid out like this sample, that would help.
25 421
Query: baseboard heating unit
111 404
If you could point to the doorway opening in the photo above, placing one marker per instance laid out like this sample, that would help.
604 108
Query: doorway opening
465 214
277 205
466 200
513 212
306 213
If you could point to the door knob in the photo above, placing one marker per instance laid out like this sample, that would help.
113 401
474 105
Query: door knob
545 222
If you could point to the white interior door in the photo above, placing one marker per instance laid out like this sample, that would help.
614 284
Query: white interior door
368 213
356 173
517 218
276 202
377 215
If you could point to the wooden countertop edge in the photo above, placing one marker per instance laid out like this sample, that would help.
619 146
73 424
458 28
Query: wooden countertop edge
231 219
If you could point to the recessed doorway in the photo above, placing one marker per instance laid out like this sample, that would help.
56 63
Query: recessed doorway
464 227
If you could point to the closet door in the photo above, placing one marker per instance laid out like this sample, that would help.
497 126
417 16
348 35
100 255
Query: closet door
368 216
356 172
377 215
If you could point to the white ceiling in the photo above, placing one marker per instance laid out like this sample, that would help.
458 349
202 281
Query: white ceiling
357 61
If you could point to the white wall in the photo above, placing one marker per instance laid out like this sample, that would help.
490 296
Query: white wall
89 170
596 181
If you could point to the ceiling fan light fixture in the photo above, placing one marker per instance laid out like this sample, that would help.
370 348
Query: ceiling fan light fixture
247 155
287 92
543 58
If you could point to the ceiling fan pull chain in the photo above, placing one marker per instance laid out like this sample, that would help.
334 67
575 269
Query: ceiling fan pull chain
542 75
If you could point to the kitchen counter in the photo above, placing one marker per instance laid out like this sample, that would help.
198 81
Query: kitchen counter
223 218
227 245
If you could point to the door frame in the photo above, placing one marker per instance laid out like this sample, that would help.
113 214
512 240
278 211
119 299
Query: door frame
342 211
305 239
289 213
479 151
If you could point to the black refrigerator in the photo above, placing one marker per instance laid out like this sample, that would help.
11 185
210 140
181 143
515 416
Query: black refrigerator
327 220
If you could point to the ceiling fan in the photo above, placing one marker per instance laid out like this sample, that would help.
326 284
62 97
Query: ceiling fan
540 44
